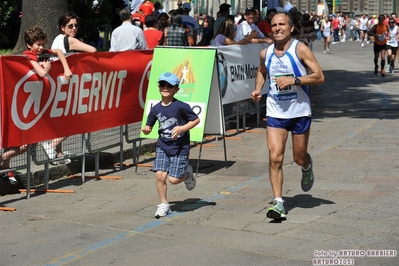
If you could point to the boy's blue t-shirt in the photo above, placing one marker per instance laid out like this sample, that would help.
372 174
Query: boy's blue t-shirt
177 113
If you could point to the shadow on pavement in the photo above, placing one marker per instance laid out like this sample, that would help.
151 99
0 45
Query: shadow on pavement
188 205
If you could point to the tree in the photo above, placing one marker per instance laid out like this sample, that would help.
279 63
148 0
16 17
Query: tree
44 13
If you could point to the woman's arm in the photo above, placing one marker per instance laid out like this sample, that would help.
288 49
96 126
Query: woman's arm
75 44
61 57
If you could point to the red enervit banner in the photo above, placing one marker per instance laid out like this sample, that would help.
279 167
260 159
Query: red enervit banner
107 89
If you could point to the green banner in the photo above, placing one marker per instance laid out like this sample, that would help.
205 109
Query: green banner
194 67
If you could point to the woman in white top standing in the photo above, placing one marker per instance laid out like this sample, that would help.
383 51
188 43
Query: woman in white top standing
392 44
67 42
326 31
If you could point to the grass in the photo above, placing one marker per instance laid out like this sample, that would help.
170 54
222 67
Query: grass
5 51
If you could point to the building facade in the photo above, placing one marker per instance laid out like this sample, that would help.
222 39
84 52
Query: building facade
369 7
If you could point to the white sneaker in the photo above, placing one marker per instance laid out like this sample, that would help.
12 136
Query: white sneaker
64 161
190 180
328 49
50 151
362 45
163 210
325 51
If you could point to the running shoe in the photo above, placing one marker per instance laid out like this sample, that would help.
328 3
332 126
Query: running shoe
375 70
307 178
277 211
190 181
325 51
362 45
12 179
382 73
163 210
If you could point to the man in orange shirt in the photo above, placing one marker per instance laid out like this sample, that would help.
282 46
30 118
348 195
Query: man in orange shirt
381 34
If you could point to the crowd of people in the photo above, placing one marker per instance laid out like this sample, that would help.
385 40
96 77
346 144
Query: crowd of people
204 30
381 31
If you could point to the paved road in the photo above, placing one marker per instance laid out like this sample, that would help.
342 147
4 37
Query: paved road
353 205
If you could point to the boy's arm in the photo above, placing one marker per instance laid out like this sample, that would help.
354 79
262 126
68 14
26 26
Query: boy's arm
61 57
41 70
146 130
178 130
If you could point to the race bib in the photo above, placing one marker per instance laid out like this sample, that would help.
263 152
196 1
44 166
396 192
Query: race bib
381 37
285 94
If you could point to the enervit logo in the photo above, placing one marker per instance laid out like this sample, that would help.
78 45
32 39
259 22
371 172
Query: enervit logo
84 93
35 89
144 84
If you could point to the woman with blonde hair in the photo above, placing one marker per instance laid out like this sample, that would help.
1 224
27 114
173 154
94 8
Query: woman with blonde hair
225 35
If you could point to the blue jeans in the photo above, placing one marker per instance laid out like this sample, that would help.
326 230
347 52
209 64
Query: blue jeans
336 37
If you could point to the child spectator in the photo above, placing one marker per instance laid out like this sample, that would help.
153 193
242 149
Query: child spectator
35 39
175 119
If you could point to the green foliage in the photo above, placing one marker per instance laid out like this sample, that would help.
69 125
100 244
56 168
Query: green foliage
93 19
5 52
10 23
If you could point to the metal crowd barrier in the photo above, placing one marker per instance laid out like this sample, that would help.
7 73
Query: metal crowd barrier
78 146
103 140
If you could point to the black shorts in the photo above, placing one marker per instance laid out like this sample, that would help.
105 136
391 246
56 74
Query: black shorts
379 48
394 49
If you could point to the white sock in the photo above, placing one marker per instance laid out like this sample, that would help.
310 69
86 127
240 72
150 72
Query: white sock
279 199
308 168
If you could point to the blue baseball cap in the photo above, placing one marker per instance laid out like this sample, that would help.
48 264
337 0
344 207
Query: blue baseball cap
170 78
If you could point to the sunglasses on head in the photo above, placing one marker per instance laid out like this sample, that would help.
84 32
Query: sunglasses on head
70 26
163 84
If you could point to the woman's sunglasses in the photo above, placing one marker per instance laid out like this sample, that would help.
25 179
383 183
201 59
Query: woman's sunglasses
70 26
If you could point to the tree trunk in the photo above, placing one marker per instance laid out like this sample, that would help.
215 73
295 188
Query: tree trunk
44 13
